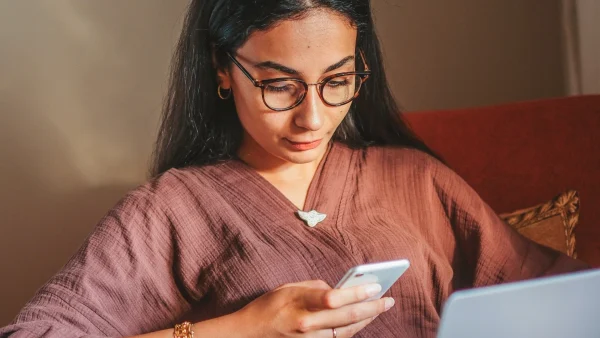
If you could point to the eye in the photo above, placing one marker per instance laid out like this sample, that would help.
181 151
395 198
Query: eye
338 82
281 88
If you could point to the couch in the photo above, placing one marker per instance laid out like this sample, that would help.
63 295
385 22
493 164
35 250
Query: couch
521 154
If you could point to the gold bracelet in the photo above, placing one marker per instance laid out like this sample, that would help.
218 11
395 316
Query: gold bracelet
183 330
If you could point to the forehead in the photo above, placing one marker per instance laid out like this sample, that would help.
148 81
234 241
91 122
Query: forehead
315 41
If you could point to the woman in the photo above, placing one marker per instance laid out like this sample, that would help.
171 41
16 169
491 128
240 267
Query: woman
276 107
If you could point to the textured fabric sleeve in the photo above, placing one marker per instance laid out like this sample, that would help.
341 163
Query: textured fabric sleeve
492 252
121 281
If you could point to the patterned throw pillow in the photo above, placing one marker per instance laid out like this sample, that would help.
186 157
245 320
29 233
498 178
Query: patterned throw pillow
551 224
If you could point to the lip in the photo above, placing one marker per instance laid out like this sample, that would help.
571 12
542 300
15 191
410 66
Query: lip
304 146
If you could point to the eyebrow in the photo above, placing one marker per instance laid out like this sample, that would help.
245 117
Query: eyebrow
290 71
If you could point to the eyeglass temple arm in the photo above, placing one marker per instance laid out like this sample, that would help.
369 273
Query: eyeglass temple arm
362 56
239 65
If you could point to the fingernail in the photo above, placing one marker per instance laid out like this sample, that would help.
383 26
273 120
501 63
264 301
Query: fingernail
389 302
372 289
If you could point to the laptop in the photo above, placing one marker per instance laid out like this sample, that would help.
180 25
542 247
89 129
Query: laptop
551 307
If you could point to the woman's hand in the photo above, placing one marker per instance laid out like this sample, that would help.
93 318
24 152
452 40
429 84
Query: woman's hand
312 309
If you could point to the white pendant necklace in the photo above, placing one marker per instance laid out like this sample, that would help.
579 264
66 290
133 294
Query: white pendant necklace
311 218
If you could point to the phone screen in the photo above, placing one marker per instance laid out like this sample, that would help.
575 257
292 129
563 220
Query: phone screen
384 273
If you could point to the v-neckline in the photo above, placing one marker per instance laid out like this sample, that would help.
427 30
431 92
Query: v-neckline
313 187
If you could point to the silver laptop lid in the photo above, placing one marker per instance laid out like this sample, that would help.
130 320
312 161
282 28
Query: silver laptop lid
551 307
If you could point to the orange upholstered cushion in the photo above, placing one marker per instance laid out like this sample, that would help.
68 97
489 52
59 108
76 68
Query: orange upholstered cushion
551 224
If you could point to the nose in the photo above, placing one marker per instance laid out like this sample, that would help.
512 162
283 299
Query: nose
310 114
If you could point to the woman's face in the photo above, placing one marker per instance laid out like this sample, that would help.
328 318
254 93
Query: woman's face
308 49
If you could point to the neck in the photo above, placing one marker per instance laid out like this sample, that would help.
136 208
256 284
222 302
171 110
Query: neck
274 169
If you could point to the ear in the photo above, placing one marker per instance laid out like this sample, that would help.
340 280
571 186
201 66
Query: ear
223 76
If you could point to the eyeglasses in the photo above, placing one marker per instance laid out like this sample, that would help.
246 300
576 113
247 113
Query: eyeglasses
283 94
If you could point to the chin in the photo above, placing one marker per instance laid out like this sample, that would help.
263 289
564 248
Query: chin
303 157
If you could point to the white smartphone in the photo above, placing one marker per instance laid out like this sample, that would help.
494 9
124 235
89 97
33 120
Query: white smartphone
383 273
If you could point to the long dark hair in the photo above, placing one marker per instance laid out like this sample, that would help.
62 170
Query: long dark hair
198 128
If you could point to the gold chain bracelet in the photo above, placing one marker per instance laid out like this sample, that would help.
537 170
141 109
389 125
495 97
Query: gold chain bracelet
183 330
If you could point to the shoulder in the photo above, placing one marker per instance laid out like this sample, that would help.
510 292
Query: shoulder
403 161
173 191
415 168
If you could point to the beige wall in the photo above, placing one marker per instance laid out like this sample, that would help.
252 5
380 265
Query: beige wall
81 83
80 93
459 53
588 12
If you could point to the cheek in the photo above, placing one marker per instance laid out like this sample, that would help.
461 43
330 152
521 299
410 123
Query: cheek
247 98
266 125
258 121
340 114
250 108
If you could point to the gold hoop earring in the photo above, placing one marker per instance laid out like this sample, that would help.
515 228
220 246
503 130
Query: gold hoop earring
221 94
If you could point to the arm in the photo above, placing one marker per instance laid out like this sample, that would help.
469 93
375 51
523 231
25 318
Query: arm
126 281
217 327
492 252
121 281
